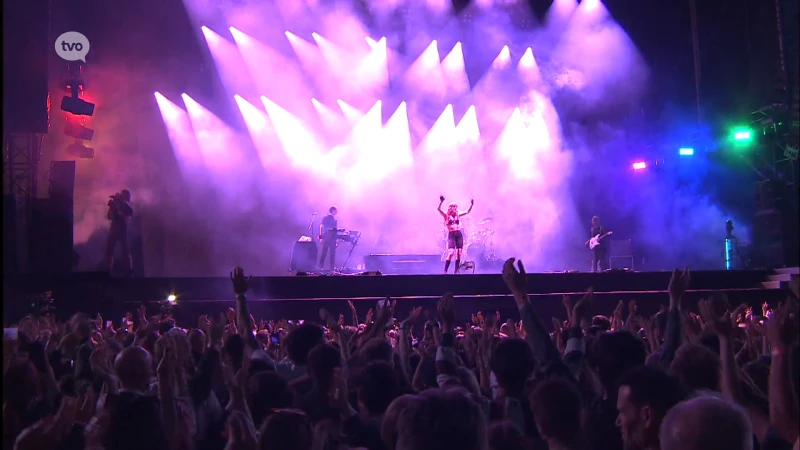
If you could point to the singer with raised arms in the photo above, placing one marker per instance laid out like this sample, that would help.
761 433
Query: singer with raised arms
455 239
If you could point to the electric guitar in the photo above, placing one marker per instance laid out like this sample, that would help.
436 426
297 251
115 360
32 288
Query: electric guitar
595 241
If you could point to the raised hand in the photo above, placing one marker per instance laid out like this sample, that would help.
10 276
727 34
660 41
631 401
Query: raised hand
569 305
412 317
633 308
472 202
441 199
384 311
737 313
203 323
167 366
239 281
581 308
370 314
781 328
678 284
557 334
515 277
329 320
446 310
511 328
720 324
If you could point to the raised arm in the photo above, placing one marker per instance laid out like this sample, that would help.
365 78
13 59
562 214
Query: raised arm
471 204
441 202
672 339
243 322
543 347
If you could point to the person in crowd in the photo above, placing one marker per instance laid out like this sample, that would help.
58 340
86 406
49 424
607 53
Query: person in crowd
459 423
558 409
706 423
599 382
644 397
697 367
504 435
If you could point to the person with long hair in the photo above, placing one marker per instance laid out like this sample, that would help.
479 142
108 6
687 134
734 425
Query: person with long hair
455 239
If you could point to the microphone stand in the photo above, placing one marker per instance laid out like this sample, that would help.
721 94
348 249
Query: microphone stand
311 225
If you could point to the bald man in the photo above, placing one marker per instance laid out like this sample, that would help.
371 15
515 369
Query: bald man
134 369
706 423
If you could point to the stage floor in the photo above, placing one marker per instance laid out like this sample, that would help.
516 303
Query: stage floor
292 294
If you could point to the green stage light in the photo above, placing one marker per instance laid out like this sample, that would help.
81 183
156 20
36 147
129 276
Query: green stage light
742 135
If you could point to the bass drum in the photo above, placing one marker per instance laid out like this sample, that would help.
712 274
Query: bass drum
476 253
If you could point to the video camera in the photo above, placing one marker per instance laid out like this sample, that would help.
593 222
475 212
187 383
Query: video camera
113 199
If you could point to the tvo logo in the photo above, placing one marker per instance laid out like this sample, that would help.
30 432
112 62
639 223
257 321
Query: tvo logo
72 46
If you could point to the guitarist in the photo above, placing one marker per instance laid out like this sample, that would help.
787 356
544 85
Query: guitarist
327 235
599 257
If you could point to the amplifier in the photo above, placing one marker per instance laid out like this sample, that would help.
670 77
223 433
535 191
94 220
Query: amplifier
404 264
304 256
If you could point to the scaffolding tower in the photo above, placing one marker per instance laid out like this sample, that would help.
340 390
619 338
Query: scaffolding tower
21 155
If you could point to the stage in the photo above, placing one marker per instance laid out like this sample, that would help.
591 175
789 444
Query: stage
302 295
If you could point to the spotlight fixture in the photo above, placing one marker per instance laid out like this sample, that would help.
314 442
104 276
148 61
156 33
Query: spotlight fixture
78 150
77 106
78 131
74 85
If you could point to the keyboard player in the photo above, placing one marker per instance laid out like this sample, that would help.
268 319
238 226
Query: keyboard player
327 235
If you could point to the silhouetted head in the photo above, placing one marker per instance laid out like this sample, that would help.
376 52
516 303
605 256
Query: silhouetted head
333 210
645 395
707 423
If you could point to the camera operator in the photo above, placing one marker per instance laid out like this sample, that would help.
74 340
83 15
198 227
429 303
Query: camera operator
119 212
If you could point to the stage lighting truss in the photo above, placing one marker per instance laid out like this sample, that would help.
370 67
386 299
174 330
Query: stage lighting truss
77 108
775 154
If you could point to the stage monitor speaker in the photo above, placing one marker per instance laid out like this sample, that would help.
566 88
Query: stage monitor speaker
26 48
404 264
304 256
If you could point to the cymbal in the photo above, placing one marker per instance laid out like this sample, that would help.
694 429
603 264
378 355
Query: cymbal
485 221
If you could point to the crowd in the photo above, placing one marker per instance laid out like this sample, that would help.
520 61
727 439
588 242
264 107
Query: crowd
721 377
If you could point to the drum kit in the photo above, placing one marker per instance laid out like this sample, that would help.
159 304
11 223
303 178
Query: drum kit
478 243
